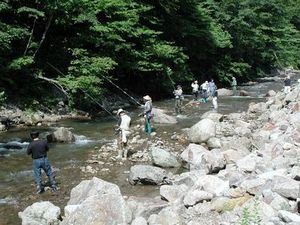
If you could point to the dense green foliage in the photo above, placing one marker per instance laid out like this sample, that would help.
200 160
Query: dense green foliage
144 46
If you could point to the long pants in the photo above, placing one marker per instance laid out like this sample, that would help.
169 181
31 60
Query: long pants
148 128
178 104
42 163
195 93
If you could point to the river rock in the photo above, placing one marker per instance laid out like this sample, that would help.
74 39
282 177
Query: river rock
168 216
244 93
144 207
214 116
139 221
146 174
202 131
62 134
257 107
161 117
248 163
286 187
254 186
197 157
225 92
163 158
289 217
171 193
96 202
2 127
40 213
271 93
193 197
213 142
92 187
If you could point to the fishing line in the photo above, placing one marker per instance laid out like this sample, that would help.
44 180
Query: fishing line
87 94
121 90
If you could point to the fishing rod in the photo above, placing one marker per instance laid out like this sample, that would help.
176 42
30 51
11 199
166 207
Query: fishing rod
93 99
121 90
168 72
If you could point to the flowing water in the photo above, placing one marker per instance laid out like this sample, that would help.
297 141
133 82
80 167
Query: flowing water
17 189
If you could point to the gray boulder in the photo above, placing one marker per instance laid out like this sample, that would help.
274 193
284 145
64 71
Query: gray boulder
197 157
139 221
202 131
62 134
213 142
214 116
194 197
161 117
146 174
96 202
225 92
144 207
213 185
40 213
163 158
248 163
257 107
286 187
171 193
289 217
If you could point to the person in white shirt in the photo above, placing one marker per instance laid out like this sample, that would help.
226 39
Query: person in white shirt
124 123
195 87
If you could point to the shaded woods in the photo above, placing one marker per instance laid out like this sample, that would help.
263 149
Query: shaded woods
54 50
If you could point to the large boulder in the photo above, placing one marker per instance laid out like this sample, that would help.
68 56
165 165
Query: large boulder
62 134
225 92
202 131
161 117
197 157
163 158
257 107
40 213
146 174
96 202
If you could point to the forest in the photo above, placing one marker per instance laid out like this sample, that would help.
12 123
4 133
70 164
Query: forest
54 50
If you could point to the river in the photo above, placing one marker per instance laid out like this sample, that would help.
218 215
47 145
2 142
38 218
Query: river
17 189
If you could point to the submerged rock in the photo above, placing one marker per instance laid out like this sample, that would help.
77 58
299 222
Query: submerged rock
62 134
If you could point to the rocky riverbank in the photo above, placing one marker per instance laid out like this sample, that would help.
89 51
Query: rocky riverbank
243 168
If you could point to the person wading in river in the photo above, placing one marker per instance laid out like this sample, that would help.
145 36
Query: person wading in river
38 150
195 87
178 99
124 131
233 85
147 113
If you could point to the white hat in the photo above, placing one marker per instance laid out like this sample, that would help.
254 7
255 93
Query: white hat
147 97
119 111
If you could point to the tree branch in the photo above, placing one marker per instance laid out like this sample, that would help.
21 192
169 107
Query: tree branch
30 38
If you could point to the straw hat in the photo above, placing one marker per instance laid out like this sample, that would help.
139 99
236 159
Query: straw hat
147 97
119 111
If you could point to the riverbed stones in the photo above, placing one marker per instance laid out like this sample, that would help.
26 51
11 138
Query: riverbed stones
62 134
139 221
202 131
163 158
146 174
41 213
286 187
289 217
193 197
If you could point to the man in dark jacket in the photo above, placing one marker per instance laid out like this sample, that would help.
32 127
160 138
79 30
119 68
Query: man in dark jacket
38 150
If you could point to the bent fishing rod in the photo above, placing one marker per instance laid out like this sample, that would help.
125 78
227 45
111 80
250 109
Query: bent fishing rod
87 94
